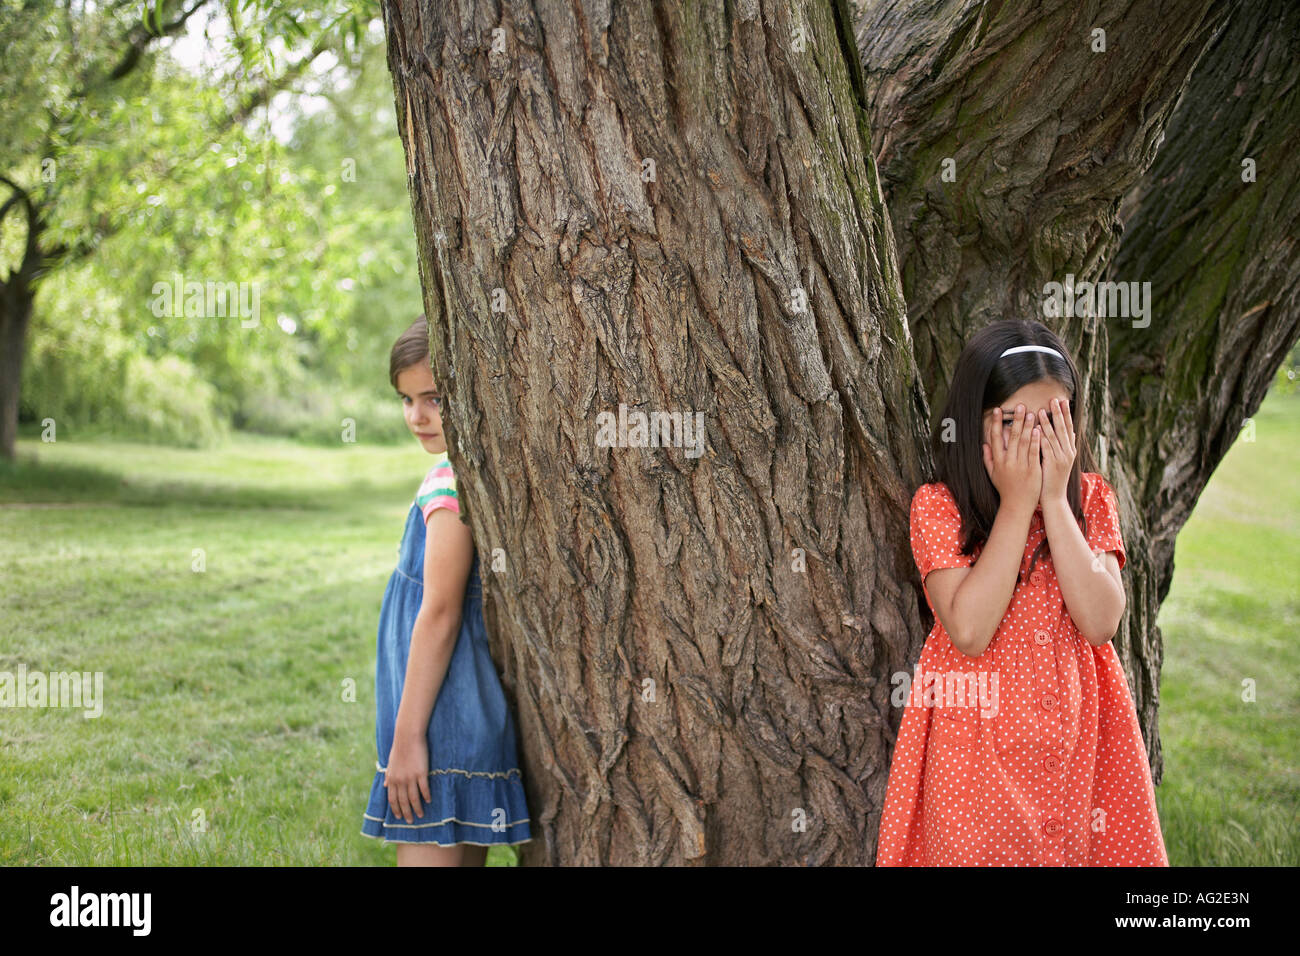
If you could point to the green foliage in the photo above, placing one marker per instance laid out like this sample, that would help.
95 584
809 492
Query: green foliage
296 405
1287 380
166 400
301 204
85 374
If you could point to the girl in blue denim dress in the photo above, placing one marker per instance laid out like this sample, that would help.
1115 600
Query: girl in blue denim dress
447 783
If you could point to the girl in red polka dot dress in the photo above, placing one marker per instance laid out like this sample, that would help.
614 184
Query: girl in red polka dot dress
1019 743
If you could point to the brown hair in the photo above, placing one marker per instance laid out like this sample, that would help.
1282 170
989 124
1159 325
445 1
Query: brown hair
983 379
411 348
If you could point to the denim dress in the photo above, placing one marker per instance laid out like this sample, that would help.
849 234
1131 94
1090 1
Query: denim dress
478 796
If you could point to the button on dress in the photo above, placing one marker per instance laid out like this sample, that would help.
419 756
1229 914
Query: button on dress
1029 754
474 778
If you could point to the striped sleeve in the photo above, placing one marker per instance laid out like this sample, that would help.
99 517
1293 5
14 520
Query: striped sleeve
438 489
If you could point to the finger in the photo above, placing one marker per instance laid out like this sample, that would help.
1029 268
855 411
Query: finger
413 799
1051 445
1035 449
1072 443
1059 432
997 443
424 789
988 459
1017 424
1062 442
1025 433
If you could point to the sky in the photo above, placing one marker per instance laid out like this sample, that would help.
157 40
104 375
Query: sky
205 49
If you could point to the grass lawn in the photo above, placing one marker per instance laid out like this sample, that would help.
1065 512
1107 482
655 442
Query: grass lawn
1231 786
226 738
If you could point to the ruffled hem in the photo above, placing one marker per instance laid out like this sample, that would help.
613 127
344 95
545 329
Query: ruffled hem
466 808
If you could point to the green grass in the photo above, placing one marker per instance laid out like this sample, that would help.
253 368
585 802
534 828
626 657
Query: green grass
224 688
1231 784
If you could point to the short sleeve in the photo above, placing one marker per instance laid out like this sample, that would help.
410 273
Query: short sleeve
438 489
1102 512
936 530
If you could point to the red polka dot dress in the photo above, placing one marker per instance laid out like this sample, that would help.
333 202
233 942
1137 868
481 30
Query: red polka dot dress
1029 754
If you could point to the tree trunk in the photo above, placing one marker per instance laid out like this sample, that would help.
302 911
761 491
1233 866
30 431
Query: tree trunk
16 297
1048 136
1220 254
637 208
700 647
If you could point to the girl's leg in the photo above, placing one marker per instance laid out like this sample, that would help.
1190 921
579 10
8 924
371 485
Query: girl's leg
429 854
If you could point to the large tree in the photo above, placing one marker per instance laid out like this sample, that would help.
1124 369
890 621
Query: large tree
1123 163
744 211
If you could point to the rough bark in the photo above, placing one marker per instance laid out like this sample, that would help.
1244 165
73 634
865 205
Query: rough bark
1221 257
15 315
624 565
1048 137
17 294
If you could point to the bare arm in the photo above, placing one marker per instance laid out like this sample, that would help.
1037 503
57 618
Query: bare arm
1092 589
1094 598
971 602
448 556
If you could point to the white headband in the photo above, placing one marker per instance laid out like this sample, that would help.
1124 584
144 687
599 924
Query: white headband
1031 348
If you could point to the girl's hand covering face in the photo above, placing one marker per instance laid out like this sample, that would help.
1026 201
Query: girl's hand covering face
1015 468
1058 451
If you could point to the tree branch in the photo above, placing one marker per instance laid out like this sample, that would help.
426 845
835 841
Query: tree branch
66 253
29 266
138 38
1044 138
1220 256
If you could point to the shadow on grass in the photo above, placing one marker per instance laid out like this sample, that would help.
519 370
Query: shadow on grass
27 481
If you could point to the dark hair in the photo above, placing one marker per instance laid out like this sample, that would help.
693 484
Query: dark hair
411 348
984 379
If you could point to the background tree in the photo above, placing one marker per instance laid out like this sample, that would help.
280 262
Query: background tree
681 210
121 168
